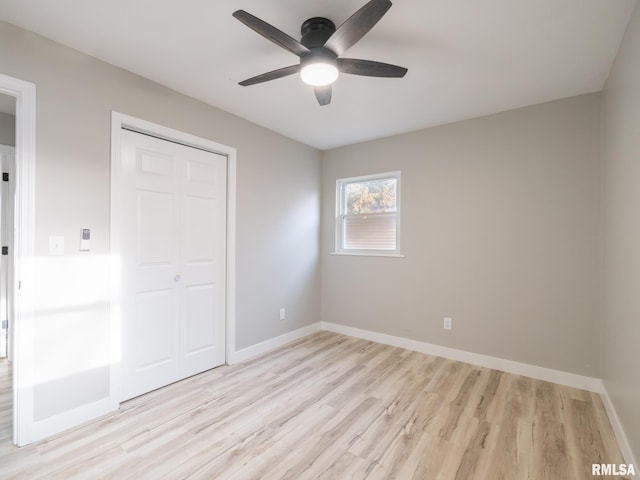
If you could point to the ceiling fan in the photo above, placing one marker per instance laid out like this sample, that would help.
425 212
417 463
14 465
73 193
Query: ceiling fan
321 47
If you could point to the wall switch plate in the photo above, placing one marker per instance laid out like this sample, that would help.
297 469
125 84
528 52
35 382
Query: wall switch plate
448 323
283 314
56 245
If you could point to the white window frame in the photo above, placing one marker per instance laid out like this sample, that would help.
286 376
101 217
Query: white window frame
340 216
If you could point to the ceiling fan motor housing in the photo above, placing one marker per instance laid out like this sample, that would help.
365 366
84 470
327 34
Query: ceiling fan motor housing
319 54
316 31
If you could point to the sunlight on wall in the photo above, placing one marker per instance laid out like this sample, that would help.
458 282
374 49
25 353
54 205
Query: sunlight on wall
71 316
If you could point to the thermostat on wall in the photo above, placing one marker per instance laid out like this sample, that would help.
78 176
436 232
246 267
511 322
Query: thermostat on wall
85 238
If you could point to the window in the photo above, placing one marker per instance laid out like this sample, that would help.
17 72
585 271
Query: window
368 214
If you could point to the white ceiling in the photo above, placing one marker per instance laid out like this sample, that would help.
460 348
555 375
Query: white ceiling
465 58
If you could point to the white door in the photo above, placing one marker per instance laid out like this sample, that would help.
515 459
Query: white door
171 230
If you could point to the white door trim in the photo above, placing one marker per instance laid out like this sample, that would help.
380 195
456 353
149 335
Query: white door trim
118 121
24 255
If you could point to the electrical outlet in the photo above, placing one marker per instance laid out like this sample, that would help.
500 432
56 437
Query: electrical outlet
448 323
283 314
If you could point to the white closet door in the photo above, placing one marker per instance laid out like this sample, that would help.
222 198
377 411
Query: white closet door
172 230
202 261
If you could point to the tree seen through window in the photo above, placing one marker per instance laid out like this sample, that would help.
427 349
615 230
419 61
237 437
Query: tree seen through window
373 196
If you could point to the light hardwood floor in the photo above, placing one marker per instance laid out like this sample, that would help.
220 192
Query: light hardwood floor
332 407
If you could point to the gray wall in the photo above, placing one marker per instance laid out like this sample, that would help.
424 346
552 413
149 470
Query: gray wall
621 244
7 129
278 208
501 232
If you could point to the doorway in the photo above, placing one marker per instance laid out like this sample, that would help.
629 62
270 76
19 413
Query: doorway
24 95
7 192
7 161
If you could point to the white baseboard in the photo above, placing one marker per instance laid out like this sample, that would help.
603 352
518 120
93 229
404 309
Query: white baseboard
540 373
67 420
267 345
618 430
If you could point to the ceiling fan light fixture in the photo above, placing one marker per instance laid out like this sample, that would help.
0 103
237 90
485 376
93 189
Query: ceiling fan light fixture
319 73
321 47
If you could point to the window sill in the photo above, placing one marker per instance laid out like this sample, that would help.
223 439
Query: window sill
367 254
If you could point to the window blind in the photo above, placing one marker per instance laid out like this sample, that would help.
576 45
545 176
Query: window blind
370 232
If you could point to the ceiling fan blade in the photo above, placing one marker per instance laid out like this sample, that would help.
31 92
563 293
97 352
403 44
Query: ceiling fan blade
272 75
271 33
369 68
323 94
357 25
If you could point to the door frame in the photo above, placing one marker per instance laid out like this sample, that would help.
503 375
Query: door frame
24 255
118 121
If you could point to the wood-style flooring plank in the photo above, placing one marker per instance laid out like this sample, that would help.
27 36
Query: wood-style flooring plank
329 406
